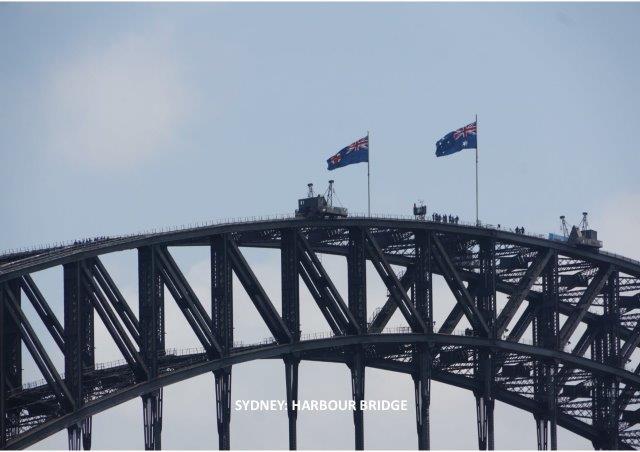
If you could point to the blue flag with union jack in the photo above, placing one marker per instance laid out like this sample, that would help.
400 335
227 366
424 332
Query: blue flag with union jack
464 138
356 152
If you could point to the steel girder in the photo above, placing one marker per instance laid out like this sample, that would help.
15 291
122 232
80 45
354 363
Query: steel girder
222 325
278 351
152 345
454 252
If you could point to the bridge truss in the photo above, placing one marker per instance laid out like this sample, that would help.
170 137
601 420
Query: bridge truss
562 346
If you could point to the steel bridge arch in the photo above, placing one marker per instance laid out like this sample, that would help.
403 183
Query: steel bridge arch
274 351
605 298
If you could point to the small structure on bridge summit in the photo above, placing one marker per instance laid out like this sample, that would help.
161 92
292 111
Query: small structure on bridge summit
420 210
319 206
580 235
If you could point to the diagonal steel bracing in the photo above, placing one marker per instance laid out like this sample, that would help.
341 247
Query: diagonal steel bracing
387 310
115 329
188 303
521 291
118 302
37 351
257 294
396 290
322 289
587 298
457 287
41 306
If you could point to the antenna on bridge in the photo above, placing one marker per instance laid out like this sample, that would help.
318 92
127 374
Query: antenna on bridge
310 190
565 230
330 192
584 224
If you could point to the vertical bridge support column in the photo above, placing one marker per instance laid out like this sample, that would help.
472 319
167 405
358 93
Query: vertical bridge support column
606 349
545 334
10 361
291 317
151 314
422 295
79 345
484 362
357 279
222 319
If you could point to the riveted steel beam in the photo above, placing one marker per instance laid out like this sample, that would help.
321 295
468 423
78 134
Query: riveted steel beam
391 281
521 290
384 314
458 288
117 300
152 346
188 302
43 310
222 324
333 308
587 298
257 294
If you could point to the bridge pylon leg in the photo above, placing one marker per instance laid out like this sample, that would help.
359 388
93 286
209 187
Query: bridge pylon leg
75 436
357 368
422 385
223 407
152 328
291 377
87 425
152 417
485 403
79 351
542 430
484 410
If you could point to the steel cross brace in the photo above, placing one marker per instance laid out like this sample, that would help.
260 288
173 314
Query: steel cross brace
521 291
118 302
391 281
331 304
188 303
590 294
257 294
41 306
457 287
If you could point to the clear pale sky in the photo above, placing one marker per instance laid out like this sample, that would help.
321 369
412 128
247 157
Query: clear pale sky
117 118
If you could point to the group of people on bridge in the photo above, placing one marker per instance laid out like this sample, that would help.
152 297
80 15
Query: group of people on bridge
445 218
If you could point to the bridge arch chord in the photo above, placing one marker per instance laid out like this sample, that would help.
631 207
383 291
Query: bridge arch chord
579 306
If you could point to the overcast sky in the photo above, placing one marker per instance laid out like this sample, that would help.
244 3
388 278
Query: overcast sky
118 118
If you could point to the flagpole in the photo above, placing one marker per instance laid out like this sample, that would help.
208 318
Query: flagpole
368 175
477 217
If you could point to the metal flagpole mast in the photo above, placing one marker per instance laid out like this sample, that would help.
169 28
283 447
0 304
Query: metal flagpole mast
368 176
477 217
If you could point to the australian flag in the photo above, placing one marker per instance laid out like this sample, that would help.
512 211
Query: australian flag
354 153
463 138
